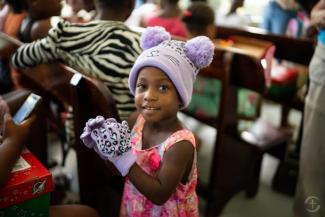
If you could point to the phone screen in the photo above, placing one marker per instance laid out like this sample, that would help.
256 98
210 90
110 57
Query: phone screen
26 109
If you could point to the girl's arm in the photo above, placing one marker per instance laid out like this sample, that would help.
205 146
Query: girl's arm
174 166
14 139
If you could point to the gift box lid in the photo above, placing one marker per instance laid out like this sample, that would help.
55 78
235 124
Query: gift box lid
29 179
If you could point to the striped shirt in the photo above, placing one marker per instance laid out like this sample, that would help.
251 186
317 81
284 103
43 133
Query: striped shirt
106 50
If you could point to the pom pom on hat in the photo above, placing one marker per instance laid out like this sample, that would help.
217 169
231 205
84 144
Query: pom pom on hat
200 51
153 36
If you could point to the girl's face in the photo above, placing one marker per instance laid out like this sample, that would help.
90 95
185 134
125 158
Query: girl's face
156 98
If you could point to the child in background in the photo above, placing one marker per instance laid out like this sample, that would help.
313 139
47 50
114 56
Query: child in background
159 156
37 22
78 11
199 20
231 16
104 48
140 15
169 18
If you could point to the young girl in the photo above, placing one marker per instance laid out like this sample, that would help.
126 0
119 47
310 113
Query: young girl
159 156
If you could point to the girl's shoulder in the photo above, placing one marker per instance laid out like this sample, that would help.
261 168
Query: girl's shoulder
178 136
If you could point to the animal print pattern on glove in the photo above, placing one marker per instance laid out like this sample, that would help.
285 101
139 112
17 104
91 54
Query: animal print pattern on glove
112 139
93 123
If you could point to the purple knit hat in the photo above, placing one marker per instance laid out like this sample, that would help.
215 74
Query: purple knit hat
180 60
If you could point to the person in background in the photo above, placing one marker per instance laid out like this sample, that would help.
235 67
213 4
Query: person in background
38 17
169 17
140 15
35 24
12 142
104 48
10 24
231 17
199 20
78 11
310 192
277 15
159 155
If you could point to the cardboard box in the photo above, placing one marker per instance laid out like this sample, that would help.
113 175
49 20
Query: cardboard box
27 193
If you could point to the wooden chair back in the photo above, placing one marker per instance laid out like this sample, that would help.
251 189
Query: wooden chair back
298 50
100 187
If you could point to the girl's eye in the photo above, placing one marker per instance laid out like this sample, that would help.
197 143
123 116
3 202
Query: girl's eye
163 88
140 86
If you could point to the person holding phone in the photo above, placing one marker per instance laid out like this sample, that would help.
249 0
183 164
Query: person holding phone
11 144
12 141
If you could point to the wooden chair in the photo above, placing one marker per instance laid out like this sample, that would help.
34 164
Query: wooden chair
52 83
236 162
100 187
296 50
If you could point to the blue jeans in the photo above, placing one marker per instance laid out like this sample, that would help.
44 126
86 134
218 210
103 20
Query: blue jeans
275 18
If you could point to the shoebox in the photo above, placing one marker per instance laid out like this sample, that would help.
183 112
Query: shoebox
27 193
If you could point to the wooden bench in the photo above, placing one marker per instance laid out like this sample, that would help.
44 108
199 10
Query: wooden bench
296 50
100 186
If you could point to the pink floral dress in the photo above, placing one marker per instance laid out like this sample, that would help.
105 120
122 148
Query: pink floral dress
182 203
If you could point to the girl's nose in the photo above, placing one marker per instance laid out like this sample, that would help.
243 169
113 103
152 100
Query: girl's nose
150 94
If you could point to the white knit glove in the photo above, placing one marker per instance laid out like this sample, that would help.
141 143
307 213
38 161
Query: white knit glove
111 140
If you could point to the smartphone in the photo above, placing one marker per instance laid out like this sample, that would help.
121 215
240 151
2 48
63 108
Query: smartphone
27 108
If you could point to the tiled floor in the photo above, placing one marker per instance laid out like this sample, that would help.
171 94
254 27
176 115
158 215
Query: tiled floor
267 203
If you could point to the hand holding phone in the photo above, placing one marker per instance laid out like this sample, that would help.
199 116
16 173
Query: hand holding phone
27 108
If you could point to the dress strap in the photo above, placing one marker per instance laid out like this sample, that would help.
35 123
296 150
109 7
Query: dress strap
178 136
